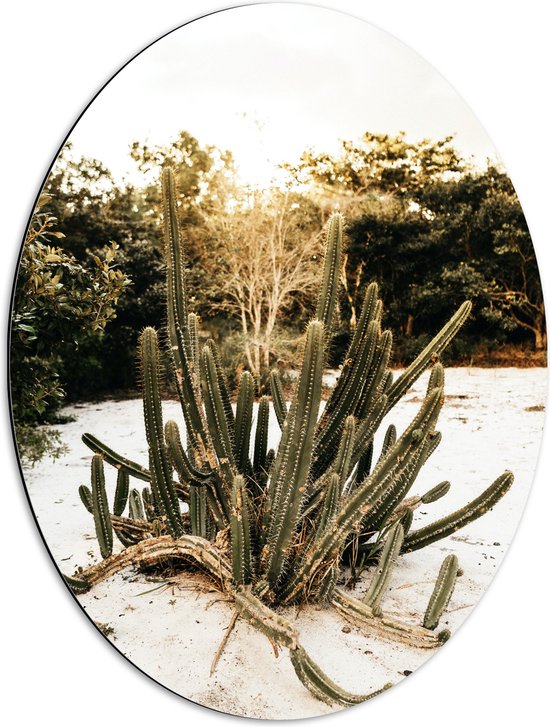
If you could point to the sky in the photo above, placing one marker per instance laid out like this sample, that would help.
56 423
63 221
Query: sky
266 82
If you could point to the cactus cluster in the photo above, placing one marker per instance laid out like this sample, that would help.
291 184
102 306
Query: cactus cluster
275 528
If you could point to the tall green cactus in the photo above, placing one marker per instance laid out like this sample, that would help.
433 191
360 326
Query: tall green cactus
274 527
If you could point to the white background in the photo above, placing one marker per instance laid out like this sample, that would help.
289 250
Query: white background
55 56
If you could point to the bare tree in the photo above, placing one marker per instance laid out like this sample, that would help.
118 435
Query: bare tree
269 246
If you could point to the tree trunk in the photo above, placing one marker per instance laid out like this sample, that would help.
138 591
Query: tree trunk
540 335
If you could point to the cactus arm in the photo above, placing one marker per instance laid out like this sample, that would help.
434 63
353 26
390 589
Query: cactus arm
194 347
240 533
321 686
261 438
175 261
121 491
149 504
362 616
412 503
112 458
197 511
159 465
215 414
367 315
330 425
292 462
433 349
136 511
102 517
278 396
451 523
222 384
366 430
161 549
243 421
187 473
328 294
364 466
436 493
342 462
86 497
386 563
402 460
374 382
389 440
279 630
442 592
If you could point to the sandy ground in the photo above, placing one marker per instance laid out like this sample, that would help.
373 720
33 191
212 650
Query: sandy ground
492 420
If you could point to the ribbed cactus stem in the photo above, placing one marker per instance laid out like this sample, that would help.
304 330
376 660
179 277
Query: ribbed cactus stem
330 425
436 493
175 261
442 592
159 464
193 327
431 351
261 438
121 491
368 312
215 414
386 563
198 511
240 533
451 523
222 385
373 386
319 684
149 504
342 460
328 294
187 473
85 495
102 517
292 462
136 506
401 462
278 396
330 504
111 457
243 421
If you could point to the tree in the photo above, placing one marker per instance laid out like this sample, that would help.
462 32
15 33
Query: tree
57 300
379 164
265 255
491 258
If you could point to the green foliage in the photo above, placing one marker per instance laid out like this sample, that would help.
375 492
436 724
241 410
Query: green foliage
415 209
278 529
57 301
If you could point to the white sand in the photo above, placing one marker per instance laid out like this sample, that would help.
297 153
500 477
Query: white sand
487 427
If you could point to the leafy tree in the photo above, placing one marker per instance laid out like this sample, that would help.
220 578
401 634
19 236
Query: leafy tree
433 231
490 257
380 164
57 301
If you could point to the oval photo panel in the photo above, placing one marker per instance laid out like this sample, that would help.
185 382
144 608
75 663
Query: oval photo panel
275 313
